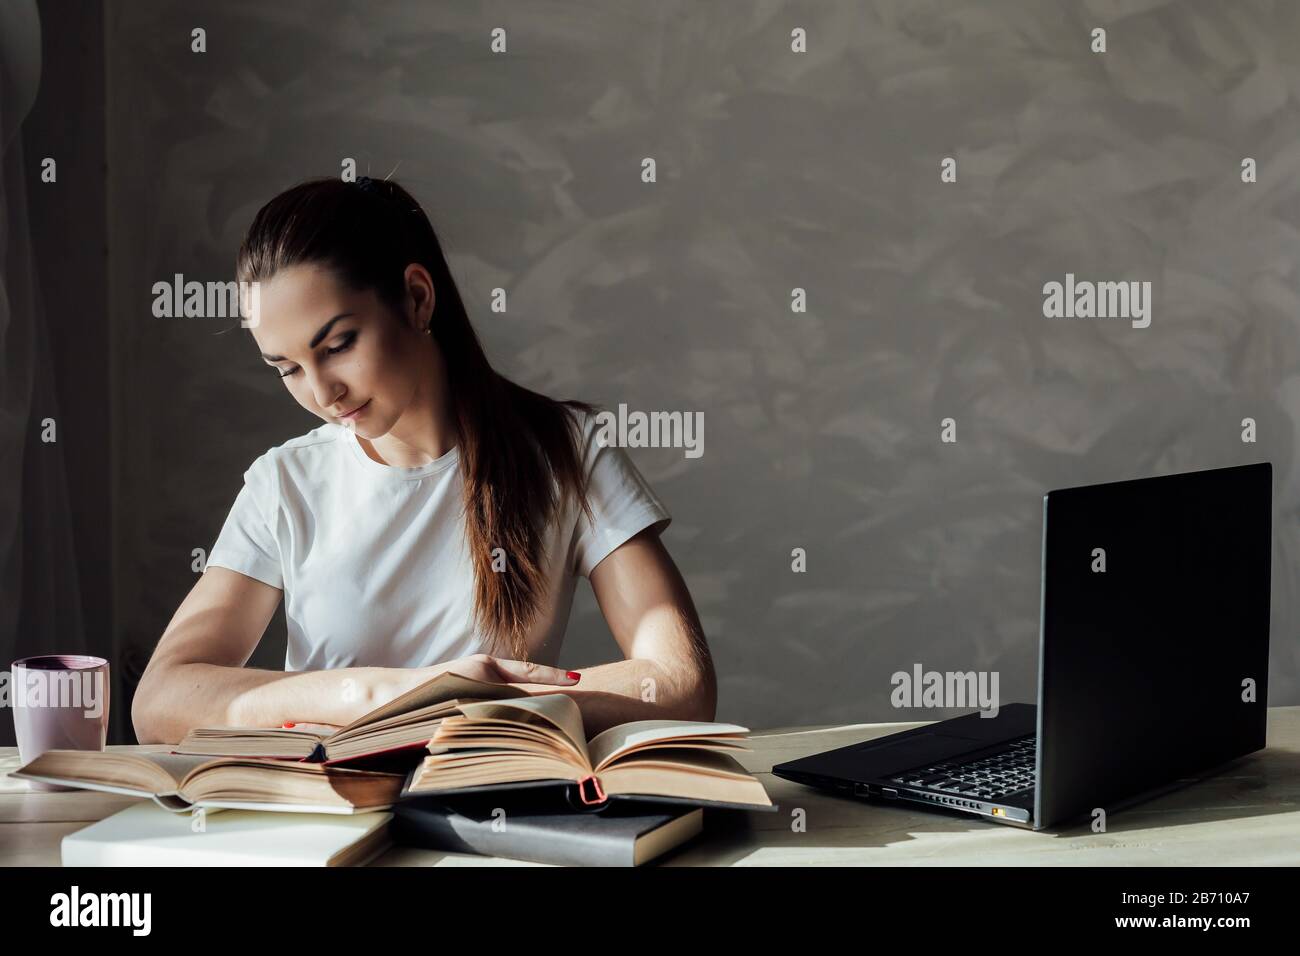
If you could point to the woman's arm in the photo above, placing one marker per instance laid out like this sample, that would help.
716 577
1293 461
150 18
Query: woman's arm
668 673
197 678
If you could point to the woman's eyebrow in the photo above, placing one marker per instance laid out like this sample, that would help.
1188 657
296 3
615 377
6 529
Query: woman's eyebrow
315 339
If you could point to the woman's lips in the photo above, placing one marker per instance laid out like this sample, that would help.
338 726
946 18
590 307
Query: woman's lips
356 412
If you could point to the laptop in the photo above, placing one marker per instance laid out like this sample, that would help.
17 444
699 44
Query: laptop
1152 662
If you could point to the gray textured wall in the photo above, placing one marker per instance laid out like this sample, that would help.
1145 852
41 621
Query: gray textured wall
775 170
64 581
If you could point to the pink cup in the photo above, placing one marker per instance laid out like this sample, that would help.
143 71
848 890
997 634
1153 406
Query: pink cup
60 702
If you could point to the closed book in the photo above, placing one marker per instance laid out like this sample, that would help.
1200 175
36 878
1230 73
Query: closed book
148 835
623 834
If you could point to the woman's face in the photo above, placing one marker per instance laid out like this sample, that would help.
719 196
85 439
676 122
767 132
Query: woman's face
339 351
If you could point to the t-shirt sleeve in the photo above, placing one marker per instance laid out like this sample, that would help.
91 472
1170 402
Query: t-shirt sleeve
622 503
248 542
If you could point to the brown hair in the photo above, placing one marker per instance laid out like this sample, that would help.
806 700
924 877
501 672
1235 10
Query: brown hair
519 450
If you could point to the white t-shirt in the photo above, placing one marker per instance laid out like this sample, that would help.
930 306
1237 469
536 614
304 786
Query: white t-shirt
373 559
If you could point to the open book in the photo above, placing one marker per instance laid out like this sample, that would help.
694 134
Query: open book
493 745
177 782
404 722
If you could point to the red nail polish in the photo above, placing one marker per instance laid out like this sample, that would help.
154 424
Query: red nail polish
288 724
573 675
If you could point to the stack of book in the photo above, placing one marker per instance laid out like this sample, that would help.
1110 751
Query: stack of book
455 764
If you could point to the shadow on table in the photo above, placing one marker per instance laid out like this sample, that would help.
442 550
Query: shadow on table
1267 782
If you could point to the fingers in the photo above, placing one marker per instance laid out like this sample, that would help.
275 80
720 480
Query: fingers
525 672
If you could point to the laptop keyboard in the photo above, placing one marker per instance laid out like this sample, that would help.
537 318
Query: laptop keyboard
991 777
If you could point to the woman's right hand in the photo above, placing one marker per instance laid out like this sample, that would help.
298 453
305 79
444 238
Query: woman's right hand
500 670
381 685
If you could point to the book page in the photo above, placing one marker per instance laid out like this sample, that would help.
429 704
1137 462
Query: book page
445 686
261 780
608 745
700 776
177 766
300 730
559 710
142 772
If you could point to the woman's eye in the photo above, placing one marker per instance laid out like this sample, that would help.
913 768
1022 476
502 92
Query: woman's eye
347 344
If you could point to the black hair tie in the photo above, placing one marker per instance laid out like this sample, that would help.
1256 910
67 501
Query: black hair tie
375 188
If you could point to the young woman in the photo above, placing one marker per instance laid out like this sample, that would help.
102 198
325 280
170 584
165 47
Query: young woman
437 520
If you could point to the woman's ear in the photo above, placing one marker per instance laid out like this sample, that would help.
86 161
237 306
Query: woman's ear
420 297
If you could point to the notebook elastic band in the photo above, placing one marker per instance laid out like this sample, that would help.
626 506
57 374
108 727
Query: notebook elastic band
595 783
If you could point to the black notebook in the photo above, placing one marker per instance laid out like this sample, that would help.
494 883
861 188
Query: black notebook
622 834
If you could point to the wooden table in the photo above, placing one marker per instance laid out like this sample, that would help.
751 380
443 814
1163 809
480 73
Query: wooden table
1249 815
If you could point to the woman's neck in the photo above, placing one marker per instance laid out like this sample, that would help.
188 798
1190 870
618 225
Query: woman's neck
426 430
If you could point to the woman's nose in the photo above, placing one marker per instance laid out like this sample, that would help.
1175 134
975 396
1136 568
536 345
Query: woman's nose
328 393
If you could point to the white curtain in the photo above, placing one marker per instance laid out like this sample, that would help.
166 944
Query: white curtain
38 576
